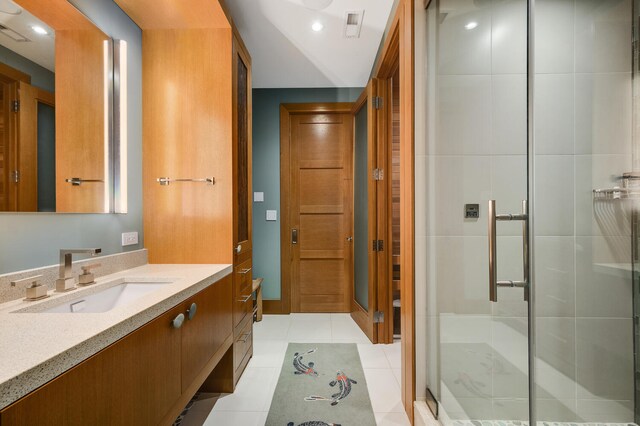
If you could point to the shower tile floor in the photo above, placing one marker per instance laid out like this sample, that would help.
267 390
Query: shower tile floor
250 403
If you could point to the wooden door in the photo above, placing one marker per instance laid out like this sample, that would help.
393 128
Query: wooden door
369 303
320 207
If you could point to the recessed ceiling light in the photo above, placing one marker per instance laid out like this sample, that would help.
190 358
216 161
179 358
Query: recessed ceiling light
471 25
39 30
317 26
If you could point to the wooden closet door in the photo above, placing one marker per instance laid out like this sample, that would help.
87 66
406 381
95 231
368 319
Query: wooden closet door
321 211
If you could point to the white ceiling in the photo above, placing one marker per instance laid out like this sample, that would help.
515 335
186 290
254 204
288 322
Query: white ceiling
40 48
286 52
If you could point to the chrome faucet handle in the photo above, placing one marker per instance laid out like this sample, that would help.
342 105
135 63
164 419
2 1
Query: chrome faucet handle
34 280
35 290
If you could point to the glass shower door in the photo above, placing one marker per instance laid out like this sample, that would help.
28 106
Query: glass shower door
583 238
476 151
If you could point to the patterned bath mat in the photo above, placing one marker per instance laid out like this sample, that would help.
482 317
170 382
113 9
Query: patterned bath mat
321 384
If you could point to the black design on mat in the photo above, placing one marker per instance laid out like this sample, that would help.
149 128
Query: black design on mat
300 367
314 423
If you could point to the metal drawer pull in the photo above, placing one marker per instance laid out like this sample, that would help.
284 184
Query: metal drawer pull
246 299
493 248
191 312
240 339
244 271
177 321
164 181
79 181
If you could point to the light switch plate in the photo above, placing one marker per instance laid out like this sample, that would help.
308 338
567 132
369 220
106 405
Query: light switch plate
129 238
272 215
258 197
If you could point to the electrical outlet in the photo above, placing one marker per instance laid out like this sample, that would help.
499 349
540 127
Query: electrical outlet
129 238
258 197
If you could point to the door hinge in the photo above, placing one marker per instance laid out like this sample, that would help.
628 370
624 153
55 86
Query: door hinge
15 106
377 102
15 176
378 174
378 245
378 317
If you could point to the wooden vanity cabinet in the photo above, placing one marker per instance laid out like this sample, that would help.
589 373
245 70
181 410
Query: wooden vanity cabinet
145 378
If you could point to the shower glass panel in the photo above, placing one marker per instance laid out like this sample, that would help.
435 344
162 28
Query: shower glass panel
476 151
580 172
583 141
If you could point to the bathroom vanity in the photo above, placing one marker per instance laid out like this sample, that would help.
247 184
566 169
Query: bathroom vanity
138 360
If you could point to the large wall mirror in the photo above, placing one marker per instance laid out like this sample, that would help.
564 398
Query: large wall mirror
58 142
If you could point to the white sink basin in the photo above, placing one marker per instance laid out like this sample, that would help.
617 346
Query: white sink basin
107 299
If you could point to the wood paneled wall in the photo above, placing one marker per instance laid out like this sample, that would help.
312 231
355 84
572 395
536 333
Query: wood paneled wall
187 128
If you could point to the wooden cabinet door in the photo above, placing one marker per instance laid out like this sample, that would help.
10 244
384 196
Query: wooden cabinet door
203 335
135 381
241 150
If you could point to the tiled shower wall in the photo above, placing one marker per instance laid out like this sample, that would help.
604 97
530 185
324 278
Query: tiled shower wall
584 141
476 124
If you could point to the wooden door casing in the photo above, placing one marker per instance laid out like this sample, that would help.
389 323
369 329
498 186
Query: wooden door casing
318 193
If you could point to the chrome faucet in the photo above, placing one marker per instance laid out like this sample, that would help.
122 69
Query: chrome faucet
66 281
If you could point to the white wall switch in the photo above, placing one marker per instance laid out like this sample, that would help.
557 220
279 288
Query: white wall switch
272 215
129 238
258 197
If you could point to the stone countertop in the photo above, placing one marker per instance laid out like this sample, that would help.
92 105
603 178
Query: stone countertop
37 347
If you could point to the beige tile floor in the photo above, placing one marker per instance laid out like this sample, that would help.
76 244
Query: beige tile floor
249 404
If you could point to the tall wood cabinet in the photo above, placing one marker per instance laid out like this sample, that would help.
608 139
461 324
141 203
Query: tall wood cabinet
197 129
242 256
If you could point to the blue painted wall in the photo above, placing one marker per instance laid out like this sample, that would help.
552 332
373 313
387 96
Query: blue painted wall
40 76
266 173
31 240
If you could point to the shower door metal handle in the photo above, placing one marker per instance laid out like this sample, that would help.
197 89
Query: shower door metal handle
493 251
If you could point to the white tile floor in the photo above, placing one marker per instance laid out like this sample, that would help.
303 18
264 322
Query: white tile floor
249 404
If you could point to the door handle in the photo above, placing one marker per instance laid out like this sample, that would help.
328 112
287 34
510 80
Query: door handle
493 251
294 236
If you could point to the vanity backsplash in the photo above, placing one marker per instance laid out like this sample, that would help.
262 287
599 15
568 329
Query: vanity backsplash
109 264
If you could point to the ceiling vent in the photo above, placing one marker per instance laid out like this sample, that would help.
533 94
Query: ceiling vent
14 35
353 23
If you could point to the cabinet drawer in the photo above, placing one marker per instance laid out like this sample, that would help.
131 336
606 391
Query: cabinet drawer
242 300
243 305
242 276
243 342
